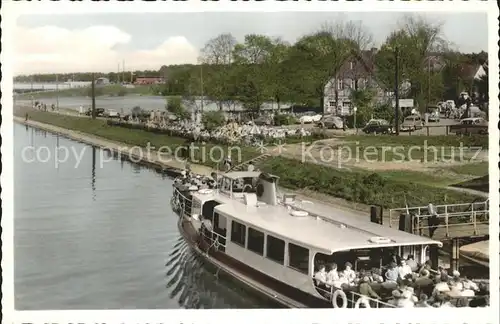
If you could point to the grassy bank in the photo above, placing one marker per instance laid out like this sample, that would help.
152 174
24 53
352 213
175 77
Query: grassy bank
356 186
111 90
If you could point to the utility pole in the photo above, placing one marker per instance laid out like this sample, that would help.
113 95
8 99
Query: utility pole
57 92
93 96
118 74
32 103
428 83
396 91
123 71
201 83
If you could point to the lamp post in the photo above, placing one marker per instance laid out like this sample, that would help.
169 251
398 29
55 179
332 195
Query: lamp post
396 89
93 96
355 109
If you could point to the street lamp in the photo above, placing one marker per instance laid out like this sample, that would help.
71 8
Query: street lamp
355 109
396 88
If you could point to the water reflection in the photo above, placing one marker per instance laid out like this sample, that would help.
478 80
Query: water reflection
93 172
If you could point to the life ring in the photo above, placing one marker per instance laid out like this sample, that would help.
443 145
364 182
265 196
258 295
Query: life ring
299 213
380 240
363 301
336 294
205 191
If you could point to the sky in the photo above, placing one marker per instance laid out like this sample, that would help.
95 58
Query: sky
100 42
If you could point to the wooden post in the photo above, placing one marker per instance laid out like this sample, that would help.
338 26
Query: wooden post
455 254
93 97
427 130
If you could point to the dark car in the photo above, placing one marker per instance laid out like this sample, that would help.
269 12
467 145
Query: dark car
378 126
99 112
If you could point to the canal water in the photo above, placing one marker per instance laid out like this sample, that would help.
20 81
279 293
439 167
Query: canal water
92 236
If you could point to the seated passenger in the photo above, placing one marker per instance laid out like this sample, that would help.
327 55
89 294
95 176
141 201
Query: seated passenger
406 300
366 290
425 266
396 296
349 274
392 274
404 270
332 277
410 261
423 302
320 276
440 287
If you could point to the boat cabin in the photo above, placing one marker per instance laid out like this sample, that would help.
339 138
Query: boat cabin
245 220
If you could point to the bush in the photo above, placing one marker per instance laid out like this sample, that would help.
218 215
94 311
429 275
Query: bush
121 92
360 187
213 120
283 119
176 108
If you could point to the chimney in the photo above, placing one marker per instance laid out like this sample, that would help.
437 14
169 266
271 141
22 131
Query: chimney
266 189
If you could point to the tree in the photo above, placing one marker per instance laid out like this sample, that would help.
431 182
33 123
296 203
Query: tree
319 57
363 101
175 107
420 46
213 119
252 60
218 55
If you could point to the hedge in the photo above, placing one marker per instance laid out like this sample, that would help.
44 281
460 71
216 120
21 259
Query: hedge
356 186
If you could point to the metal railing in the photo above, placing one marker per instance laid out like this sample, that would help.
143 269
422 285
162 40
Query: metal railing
352 300
445 217
373 302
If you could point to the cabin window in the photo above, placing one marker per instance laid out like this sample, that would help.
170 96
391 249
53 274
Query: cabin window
238 233
255 241
298 258
275 249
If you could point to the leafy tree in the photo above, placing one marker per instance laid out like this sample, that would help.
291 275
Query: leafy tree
175 107
419 45
218 55
213 119
363 101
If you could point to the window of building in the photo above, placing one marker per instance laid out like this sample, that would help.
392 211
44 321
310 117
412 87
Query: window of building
352 65
331 103
340 84
255 241
238 233
298 258
275 249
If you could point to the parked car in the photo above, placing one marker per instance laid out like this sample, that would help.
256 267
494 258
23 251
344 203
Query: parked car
111 113
469 126
310 117
99 112
378 126
262 121
434 116
331 122
411 123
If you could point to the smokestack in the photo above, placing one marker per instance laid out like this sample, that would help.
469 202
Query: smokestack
266 189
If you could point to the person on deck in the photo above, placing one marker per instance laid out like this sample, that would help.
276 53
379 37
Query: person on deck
366 290
349 273
392 274
404 269
250 167
410 261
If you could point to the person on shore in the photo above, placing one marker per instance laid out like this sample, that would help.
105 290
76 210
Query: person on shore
251 167
228 163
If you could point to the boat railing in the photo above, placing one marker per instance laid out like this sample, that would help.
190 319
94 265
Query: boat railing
373 302
445 217
353 301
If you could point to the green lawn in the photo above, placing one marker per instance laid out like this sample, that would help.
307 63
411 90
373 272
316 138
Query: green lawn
476 169
388 189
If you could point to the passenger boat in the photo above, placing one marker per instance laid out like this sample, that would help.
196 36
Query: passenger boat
273 243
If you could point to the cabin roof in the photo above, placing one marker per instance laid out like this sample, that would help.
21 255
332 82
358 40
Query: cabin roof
241 174
313 232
